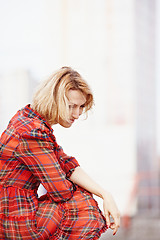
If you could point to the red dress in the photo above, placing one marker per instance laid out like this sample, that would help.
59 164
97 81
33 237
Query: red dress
30 155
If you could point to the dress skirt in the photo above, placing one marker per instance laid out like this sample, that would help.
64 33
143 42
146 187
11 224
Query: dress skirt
77 218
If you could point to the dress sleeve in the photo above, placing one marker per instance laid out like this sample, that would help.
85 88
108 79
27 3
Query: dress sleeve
67 163
37 152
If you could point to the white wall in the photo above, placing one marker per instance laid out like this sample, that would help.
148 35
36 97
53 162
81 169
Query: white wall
96 38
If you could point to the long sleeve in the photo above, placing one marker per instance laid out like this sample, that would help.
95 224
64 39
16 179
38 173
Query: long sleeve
37 152
68 163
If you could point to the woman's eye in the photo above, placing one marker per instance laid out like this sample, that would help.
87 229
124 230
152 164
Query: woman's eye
71 106
82 106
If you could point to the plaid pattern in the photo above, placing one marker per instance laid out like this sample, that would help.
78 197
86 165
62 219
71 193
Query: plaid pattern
30 155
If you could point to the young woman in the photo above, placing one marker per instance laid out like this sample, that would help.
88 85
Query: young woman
30 155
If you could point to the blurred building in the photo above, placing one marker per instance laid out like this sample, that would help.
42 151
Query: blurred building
148 168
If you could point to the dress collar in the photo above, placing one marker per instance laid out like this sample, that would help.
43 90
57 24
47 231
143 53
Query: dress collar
28 111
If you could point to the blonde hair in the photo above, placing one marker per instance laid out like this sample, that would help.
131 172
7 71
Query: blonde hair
50 99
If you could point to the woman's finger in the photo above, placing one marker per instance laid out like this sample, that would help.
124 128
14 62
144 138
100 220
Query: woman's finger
116 224
107 216
114 228
115 231
117 219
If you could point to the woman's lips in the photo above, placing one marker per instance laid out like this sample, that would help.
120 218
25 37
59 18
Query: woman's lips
72 120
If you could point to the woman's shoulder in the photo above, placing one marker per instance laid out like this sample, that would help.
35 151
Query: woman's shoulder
30 124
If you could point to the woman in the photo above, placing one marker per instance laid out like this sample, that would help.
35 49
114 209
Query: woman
30 155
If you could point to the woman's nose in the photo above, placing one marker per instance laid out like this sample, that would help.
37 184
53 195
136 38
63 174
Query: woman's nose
76 113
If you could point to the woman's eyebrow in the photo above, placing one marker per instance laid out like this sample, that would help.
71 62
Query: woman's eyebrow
72 103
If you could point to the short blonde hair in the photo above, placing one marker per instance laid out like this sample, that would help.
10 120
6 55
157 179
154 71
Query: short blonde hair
50 99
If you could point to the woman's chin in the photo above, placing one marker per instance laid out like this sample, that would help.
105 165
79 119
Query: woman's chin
66 124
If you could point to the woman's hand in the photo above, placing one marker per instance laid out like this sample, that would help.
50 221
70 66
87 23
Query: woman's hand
111 211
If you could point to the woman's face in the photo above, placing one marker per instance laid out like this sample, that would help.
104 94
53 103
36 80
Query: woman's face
77 102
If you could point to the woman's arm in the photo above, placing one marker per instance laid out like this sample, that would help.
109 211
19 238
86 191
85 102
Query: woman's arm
38 155
68 163
80 178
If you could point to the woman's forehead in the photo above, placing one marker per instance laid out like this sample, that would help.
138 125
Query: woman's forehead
76 97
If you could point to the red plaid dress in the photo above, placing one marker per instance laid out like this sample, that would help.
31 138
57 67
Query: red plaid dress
30 155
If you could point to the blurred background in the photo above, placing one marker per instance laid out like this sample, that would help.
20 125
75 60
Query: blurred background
115 46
